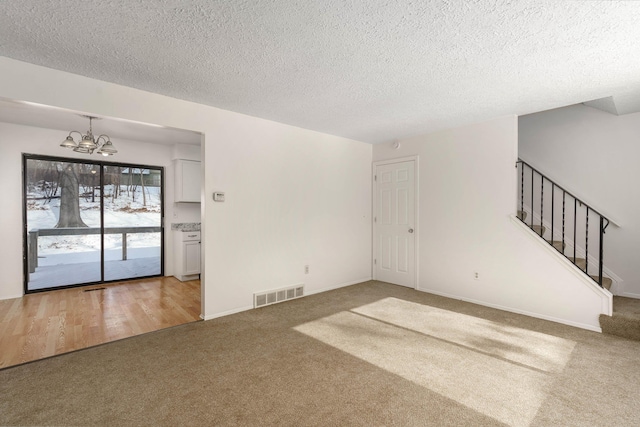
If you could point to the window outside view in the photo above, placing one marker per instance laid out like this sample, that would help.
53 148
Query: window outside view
64 222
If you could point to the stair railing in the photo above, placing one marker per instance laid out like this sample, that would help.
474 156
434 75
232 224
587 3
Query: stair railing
526 171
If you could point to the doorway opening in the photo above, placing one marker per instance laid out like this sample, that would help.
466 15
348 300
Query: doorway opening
88 222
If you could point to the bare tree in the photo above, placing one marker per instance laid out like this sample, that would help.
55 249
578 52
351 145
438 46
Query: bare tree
53 188
115 182
144 197
70 198
131 188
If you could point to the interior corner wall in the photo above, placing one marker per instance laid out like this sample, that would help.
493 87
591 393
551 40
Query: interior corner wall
594 155
467 198
294 197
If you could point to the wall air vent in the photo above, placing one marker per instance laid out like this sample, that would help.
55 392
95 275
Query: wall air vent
260 299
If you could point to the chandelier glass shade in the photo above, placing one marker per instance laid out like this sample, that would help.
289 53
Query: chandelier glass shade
89 143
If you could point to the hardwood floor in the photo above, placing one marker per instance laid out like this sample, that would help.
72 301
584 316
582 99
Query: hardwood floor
49 323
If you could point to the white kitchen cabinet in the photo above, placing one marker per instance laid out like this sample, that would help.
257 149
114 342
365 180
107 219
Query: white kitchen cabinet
187 181
187 255
191 258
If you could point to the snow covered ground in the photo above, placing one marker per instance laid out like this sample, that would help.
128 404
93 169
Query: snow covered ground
65 260
89 272
94 256
125 211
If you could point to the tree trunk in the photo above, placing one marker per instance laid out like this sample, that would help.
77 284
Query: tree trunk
69 198
116 184
144 197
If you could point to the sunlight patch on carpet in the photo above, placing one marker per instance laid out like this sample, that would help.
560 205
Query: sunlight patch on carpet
537 350
471 367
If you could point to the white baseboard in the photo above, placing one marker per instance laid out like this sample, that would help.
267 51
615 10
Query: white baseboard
226 313
630 295
517 311
317 291
11 297
341 285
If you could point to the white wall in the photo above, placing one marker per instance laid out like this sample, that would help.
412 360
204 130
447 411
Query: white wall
467 195
294 197
595 155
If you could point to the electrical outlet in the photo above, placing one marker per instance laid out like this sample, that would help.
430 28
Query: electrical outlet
476 275
306 269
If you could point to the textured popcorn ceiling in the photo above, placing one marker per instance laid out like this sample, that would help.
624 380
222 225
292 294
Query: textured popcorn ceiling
372 70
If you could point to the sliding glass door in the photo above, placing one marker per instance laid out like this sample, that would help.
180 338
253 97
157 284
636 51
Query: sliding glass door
132 222
90 222
62 226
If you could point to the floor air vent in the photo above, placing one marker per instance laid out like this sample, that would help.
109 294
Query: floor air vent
261 299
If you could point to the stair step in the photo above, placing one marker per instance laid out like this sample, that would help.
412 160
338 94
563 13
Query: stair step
606 282
581 263
538 229
621 325
625 321
558 245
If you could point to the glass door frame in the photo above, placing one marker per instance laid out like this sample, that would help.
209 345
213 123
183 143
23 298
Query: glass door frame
101 164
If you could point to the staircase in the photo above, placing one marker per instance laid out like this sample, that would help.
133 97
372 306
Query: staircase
581 263
565 222
574 229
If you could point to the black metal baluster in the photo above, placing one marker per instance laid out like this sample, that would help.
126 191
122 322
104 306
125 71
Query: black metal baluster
553 197
586 244
564 194
541 203
604 222
575 224
600 260
531 197
522 191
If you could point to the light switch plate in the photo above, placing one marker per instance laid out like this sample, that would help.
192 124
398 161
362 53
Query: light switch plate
218 196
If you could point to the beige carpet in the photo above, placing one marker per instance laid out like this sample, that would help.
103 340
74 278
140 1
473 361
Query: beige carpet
625 321
370 354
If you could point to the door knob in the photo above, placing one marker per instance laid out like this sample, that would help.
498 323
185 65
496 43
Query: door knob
411 230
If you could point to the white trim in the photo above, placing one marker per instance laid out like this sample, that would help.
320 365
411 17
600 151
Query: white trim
226 313
513 310
630 295
203 226
416 199
417 208
317 291
607 297
398 160
12 297
341 285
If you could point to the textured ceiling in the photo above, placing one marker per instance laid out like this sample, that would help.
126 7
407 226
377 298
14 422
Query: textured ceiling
372 70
